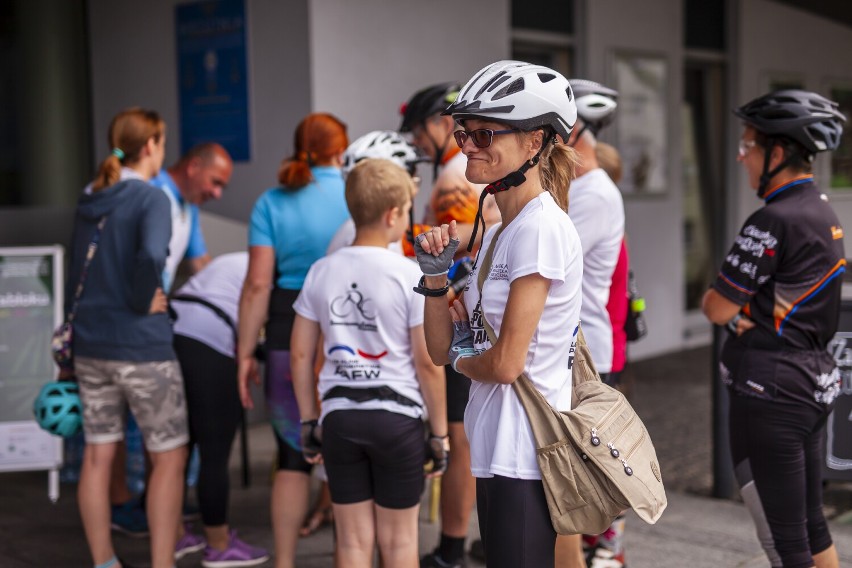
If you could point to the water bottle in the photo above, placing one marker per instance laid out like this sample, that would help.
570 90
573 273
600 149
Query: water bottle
72 458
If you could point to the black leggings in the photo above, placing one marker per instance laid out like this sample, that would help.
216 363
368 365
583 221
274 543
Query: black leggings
213 406
778 463
514 523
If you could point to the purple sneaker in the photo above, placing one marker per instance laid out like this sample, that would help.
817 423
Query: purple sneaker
237 554
188 543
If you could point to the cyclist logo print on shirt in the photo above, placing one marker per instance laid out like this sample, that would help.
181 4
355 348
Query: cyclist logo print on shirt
353 309
355 364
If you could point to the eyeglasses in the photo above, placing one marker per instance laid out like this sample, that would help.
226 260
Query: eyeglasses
481 137
745 146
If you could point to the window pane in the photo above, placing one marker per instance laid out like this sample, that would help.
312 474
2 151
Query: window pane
704 25
841 159
557 58
546 15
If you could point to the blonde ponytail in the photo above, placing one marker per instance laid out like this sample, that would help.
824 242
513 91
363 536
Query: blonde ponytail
558 167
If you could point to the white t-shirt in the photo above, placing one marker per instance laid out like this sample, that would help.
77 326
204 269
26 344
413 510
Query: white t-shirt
597 210
541 239
345 236
363 299
181 229
220 283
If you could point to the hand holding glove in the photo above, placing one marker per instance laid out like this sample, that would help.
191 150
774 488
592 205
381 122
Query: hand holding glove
435 249
438 452
311 438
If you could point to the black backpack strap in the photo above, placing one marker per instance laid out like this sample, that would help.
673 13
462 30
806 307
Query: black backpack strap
212 307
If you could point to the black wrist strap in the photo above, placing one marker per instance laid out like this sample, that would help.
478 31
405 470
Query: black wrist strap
431 292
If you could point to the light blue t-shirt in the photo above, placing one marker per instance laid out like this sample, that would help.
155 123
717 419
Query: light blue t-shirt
299 224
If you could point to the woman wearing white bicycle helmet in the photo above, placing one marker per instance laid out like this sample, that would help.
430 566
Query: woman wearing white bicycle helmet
515 118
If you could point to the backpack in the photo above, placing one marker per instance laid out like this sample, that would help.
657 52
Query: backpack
597 459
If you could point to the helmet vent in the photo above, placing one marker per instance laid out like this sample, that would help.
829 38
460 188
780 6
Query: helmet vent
498 82
546 77
488 83
515 86
779 114
783 99
570 93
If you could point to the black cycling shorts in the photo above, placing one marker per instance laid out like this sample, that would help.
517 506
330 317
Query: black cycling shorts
776 448
458 393
514 522
374 454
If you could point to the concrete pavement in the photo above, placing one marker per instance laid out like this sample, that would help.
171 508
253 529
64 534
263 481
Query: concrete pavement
670 393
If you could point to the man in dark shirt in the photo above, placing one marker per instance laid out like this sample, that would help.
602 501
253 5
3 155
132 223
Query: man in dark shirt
778 292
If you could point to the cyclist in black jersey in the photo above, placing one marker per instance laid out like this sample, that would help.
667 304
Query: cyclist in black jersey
778 292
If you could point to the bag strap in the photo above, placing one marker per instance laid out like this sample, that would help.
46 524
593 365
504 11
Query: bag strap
90 254
212 307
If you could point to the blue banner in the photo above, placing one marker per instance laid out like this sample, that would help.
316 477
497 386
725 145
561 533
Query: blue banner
213 75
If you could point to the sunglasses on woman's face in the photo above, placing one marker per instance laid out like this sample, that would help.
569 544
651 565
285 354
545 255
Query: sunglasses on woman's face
481 137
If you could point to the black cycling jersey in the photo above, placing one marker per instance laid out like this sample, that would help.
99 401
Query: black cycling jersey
785 270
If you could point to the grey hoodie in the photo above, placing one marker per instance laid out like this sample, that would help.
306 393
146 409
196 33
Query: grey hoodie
112 320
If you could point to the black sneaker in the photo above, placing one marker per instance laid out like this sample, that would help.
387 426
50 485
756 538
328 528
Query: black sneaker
477 550
432 560
129 519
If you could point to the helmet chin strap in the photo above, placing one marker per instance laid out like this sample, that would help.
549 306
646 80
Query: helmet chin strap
767 175
580 133
514 179
439 152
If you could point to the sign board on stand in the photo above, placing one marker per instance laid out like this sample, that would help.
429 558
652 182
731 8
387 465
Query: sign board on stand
31 298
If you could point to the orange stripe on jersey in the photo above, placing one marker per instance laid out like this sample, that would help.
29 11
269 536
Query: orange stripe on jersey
803 177
780 318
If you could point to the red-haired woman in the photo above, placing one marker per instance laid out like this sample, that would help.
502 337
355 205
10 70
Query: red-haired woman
291 227
122 335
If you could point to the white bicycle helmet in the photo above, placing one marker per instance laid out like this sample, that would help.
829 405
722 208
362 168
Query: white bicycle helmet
596 103
519 94
385 144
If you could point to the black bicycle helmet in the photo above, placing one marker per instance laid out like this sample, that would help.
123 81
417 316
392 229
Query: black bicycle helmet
808 118
426 102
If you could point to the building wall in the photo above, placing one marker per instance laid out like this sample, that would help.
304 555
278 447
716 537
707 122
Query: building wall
361 60
123 31
653 223
780 42
368 57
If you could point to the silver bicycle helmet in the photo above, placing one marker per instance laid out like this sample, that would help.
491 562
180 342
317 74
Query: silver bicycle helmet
596 103
519 94
385 144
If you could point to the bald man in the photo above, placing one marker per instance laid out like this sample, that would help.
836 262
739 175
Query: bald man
199 176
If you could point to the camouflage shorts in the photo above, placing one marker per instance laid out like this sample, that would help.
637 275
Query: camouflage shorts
153 390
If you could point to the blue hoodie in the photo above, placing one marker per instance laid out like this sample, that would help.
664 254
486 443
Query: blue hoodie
112 320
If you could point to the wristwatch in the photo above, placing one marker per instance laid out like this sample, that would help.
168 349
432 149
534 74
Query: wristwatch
431 292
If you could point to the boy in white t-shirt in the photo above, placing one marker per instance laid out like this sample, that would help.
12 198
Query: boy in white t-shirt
377 383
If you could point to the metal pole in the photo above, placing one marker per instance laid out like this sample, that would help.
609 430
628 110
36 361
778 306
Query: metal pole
723 466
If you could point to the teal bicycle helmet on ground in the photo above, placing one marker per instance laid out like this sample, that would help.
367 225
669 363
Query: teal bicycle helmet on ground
58 409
